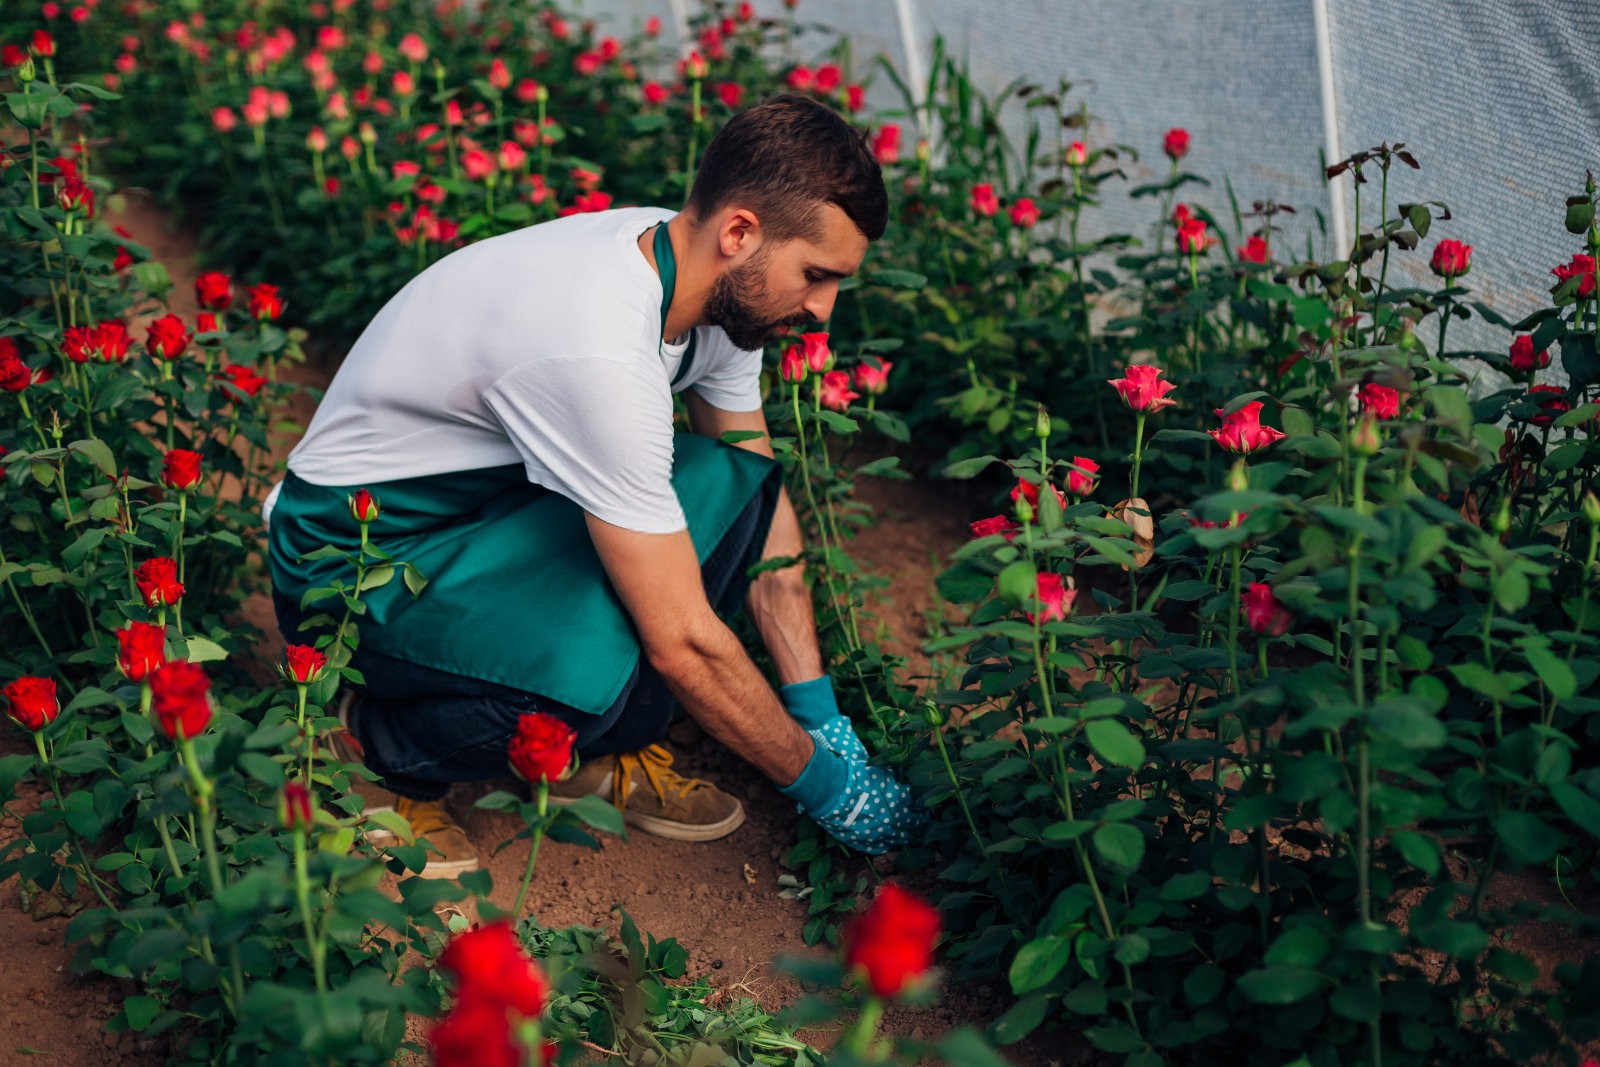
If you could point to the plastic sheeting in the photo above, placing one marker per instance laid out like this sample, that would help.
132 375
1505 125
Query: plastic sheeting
1498 99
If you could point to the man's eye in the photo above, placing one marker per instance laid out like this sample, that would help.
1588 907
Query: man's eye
813 276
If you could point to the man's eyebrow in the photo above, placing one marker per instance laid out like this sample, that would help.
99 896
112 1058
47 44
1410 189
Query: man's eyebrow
829 271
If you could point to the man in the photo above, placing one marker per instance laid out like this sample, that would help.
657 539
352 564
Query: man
511 411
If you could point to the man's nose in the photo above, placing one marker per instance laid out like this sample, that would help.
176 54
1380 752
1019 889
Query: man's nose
820 307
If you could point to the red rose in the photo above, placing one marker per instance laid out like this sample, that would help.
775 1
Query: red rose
541 747
167 337
363 506
15 375
1192 238
179 691
855 98
891 943
180 469
1242 432
1524 358
1176 143
476 1033
1552 402
1082 482
1254 250
158 583
1583 268
886 144
984 200
801 79
1055 599
836 393
13 55
294 807
242 378
31 702
1024 213
1381 400
814 346
206 322
730 93
1029 491
265 304
111 341
828 78
75 195
653 92
491 968
77 342
1451 259
141 648
304 663
873 377
998 524
1142 389
1264 612
792 366
214 290
42 43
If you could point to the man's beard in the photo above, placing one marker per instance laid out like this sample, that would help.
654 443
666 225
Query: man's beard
735 299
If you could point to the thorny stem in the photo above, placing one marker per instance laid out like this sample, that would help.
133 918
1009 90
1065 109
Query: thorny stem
533 850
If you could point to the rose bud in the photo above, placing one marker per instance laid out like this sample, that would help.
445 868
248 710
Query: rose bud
984 200
1264 612
1242 432
1524 358
1451 259
891 943
814 346
1077 154
1552 402
303 664
1081 479
997 524
31 702
855 98
1380 400
1176 143
1591 508
1026 492
541 749
836 393
792 366
1024 213
491 969
179 697
141 648
213 290
1365 439
1254 250
873 377
166 337
265 304
1055 599
157 580
180 469
294 807
363 506
1142 389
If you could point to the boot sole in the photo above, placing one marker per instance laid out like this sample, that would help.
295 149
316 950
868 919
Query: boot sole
670 828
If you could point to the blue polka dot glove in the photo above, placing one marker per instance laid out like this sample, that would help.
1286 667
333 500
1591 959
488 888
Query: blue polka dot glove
874 813
864 807
813 705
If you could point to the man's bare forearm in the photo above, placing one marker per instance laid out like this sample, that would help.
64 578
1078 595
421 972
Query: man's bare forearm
721 689
779 602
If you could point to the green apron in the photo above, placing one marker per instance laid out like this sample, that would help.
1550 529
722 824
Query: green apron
516 593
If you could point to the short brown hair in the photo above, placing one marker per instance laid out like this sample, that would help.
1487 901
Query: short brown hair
785 157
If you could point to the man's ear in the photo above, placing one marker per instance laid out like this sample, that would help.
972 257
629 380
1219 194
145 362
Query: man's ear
740 232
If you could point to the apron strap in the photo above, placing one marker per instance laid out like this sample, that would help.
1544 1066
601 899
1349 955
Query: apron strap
668 268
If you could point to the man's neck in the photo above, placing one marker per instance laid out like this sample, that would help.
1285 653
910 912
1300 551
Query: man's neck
688 293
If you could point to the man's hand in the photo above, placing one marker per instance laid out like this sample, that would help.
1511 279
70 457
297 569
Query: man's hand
874 813
657 576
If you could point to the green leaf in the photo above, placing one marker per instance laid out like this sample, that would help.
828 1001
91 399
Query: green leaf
1203 984
1120 844
414 580
204 650
597 812
1280 985
1578 806
89 697
498 800
262 767
97 452
968 1048
394 822
1186 886
1300 946
377 577
1038 961
1552 670
734 437
1417 849
1021 1020
1526 836
141 1011
967 468
1019 583
1115 743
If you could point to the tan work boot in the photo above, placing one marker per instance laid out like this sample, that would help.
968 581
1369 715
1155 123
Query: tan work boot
686 809
429 819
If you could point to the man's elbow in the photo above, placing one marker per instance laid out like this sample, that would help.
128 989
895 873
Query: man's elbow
686 649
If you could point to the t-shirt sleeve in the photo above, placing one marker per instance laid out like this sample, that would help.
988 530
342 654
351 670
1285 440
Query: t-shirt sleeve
731 379
598 431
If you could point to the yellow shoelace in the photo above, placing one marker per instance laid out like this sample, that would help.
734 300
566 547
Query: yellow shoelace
424 816
655 763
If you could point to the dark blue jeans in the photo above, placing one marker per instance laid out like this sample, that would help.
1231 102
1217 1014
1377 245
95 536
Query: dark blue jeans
423 729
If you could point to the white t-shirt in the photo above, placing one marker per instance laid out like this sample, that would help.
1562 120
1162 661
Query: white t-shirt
540 346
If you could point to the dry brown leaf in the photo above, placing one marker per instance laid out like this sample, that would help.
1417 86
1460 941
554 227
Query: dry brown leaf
1135 514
